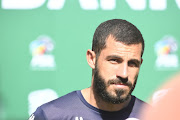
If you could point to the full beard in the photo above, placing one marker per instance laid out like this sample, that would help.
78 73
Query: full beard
121 95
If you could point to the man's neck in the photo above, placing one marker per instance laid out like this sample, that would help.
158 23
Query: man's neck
97 102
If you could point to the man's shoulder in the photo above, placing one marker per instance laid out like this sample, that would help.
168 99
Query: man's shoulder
58 107
139 103
62 101
138 106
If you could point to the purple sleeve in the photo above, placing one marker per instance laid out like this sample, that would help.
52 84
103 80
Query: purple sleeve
37 115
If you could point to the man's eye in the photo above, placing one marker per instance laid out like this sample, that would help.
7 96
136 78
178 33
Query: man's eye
113 60
133 64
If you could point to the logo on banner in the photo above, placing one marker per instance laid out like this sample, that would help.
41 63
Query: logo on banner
156 5
166 53
41 50
39 97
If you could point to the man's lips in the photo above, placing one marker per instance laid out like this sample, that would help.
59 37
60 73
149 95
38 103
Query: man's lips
119 84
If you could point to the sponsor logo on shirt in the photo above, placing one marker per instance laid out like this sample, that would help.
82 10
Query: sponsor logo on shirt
31 117
78 118
132 119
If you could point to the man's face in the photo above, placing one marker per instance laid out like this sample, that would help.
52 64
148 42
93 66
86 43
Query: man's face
116 71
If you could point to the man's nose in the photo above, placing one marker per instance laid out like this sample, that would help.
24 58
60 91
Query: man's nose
122 70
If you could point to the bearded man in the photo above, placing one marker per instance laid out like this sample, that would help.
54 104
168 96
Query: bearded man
115 59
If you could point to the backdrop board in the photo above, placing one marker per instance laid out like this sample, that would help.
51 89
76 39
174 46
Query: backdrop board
43 47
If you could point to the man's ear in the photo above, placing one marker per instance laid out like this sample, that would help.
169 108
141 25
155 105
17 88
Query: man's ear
91 58
141 60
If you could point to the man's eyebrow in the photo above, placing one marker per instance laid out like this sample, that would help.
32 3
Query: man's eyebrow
136 60
113 56
118 57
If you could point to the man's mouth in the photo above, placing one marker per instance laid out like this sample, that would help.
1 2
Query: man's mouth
119 85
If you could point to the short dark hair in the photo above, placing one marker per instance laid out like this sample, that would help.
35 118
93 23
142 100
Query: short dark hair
121 30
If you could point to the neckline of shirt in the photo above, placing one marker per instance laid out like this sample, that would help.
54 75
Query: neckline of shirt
127 109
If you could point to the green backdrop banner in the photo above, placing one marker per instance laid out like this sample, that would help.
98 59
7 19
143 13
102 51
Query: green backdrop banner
43 47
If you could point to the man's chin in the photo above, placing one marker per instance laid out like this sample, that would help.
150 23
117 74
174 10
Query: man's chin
118 92
117 97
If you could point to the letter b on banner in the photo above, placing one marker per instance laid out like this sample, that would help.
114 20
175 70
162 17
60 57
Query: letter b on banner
31 4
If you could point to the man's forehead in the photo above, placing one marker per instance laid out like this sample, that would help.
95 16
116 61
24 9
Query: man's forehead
112 42
117 48
111 38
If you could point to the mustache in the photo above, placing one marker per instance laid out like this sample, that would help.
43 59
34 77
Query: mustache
120 81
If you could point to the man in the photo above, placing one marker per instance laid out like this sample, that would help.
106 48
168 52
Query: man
115 59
